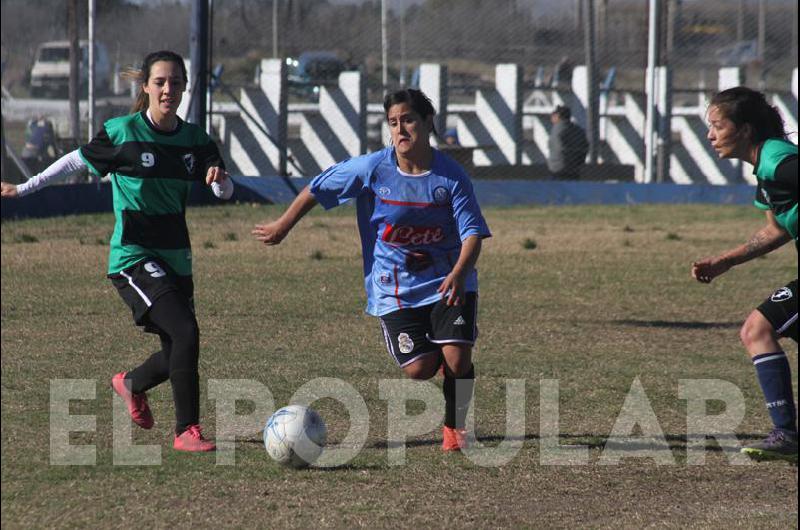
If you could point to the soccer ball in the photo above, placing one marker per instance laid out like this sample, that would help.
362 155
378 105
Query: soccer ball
294 436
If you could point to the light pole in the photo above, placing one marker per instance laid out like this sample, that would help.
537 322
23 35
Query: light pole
384 46
274 29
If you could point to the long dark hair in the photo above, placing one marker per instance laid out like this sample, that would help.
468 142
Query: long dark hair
745 106
142 76
416 99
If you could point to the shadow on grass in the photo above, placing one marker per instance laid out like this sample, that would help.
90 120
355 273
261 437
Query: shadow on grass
676 324
592 441
678 443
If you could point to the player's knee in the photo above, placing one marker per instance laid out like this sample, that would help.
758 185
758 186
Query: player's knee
424 368
457 361
755 330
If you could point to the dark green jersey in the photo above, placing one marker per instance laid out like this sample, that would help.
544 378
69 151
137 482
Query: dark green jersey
151 176
776 172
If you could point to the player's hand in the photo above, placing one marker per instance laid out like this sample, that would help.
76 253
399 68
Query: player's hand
707 269
216 174
8 190
452 289
270 233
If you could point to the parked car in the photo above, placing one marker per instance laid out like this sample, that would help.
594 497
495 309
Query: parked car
311 70
738 54
50 71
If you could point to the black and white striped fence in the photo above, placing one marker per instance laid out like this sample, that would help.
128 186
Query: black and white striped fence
504 126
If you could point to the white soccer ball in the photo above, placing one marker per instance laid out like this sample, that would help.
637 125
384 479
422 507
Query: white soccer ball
294 436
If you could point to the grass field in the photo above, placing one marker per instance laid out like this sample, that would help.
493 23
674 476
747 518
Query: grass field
594 297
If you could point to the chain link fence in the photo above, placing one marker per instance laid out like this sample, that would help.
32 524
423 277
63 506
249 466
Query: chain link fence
546 37
387 40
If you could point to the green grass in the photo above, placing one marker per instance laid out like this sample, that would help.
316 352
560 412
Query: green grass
605 298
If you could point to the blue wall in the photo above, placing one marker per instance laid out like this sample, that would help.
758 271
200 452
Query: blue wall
92 198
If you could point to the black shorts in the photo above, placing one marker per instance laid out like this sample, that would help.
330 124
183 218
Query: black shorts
780 309
414 332
141 285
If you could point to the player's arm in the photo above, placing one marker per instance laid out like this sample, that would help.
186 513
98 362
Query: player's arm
275 232
62 168
452 288
762 242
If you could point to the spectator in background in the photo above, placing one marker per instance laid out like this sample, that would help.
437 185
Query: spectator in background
40 144
562 74
568 146
450 137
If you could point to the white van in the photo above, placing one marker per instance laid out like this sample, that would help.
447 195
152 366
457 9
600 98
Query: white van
50 72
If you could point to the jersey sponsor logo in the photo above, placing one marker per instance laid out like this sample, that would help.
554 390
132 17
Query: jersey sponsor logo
148 159
441 195
406 235
418 261
781 295
188 161
383 190
405 343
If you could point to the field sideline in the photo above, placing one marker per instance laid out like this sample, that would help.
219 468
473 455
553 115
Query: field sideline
591 296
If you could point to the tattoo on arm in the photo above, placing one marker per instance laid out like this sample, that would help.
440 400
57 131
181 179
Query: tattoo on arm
762 242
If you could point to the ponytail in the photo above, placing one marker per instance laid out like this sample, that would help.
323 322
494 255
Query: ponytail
744 106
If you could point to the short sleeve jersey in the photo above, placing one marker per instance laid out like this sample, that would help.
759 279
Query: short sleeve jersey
151 176
411 226
776 173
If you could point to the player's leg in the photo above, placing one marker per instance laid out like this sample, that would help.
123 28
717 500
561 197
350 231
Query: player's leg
455 330
773 319
138 286
132 386
173 314
153 371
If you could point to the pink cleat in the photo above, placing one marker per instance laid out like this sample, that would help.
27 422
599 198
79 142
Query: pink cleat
192 440
454 439
137 403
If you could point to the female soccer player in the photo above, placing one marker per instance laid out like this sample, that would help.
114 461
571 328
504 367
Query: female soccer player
153 157
743 126
421 230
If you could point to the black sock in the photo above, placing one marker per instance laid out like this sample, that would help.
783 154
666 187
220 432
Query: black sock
457 398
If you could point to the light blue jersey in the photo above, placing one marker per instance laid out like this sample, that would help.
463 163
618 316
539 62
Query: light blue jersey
411 226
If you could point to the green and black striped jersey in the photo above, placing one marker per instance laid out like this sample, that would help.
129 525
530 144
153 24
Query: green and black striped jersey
776 172
151 175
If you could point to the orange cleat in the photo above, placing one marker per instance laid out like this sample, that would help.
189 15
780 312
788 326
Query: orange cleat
192 440
137 403
454 439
